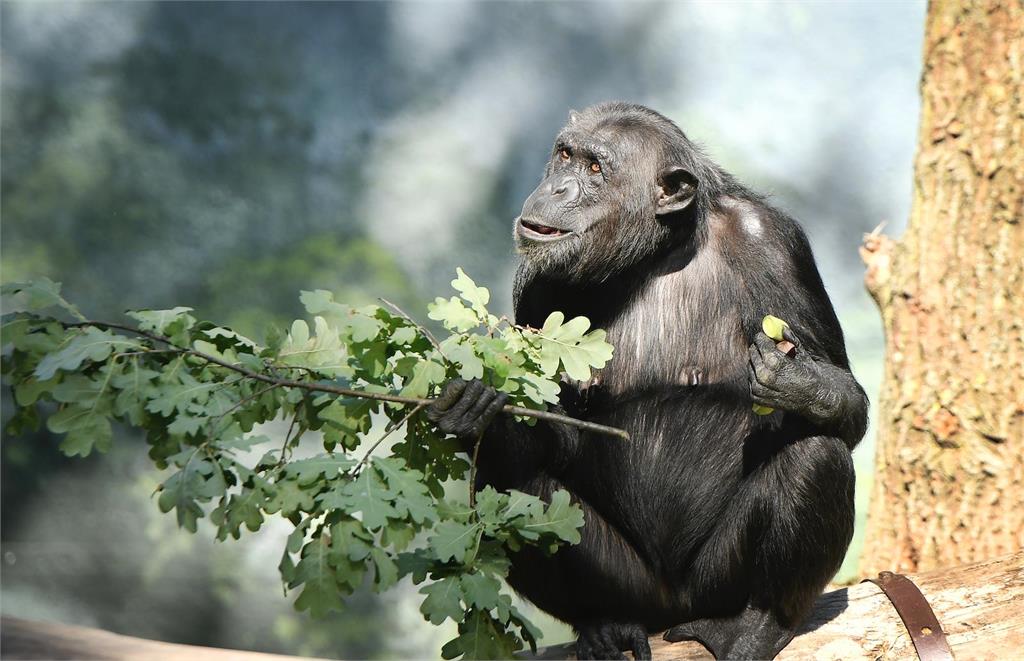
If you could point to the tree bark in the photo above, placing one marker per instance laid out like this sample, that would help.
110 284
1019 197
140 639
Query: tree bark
949 478
980 608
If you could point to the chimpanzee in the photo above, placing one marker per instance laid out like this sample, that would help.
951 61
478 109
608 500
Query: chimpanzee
714 522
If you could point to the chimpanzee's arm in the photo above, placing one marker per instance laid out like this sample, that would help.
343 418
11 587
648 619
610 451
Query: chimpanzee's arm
782 279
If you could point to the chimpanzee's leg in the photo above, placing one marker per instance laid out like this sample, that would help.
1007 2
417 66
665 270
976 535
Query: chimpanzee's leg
781 541
601 586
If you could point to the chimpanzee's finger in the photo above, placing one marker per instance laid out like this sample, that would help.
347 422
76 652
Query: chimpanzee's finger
764 344
495 407
449 394
788 334
764 397
640 647
469 396
612 649
480 405
755 355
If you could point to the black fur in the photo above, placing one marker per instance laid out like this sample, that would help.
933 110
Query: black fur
712 518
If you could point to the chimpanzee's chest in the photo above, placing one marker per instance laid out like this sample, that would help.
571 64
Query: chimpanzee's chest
679 331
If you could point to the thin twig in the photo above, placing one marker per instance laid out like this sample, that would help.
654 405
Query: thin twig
401 313
348 392
289 439
472 470
387 432
147 352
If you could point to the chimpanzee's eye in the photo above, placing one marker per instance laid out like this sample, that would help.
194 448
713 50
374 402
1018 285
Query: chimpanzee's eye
564 154
595 167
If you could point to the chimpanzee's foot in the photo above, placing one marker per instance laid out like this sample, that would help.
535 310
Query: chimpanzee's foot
608 640
753 634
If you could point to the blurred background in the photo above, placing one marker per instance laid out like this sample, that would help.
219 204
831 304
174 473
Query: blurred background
226 155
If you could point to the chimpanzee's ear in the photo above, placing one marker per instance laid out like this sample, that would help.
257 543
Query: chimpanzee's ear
676 189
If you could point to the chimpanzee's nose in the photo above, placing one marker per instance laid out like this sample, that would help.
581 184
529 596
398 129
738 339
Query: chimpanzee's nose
567 188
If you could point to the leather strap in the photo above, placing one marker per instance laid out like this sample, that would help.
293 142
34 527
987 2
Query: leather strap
919 619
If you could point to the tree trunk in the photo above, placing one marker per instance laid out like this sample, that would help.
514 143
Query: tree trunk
949 479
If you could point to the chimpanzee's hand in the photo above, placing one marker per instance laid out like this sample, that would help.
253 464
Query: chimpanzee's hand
465 409
798 384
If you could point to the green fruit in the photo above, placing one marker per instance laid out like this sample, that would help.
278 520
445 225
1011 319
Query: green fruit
773 327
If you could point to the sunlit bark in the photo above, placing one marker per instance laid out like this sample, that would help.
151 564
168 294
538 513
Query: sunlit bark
949 481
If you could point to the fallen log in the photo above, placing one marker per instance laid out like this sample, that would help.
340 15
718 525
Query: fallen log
980 608
28 639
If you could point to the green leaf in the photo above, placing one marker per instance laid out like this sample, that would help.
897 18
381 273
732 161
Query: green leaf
244 509
387 570
773 327
539 390
462 354
480 590
398 534
28 392
417 563
160 321
561 519
455 541
477 296
326 466
763 410
346 418
225 338
404 335
480 637
92 344
509 614
369 495
351 539
453 314
34 296
320 593
177 390
363 326
411 497
197 480
185 425
323 351
425 374
321 301
570 343
86 428
443 600
135 386
288 498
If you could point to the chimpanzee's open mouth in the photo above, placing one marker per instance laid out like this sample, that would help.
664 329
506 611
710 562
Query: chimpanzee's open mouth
536 230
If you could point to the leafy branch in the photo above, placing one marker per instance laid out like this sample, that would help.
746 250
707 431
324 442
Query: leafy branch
278 382
204 396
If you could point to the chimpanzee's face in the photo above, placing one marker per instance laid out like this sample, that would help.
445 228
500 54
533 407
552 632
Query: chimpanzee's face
596 210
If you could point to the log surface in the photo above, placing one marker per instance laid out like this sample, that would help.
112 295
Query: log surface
28 639
980 607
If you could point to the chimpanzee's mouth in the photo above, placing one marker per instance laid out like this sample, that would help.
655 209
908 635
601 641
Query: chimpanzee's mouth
535 230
